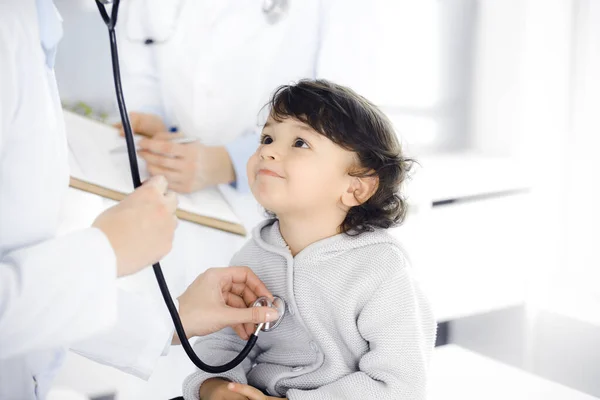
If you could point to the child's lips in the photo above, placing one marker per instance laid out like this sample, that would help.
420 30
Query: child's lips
268 172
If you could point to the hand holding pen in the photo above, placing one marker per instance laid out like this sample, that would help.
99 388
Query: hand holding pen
187 164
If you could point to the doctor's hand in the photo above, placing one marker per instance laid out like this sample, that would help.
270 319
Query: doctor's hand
143 124
140 228
187 167
222 297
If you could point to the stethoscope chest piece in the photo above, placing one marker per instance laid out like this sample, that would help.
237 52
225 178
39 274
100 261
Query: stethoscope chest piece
278 303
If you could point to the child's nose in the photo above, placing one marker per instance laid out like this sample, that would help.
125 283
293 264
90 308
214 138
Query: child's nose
269 153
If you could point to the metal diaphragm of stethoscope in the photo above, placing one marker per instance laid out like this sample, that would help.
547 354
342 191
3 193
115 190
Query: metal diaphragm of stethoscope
276 303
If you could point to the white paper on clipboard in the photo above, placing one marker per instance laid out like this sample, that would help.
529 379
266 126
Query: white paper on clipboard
90 144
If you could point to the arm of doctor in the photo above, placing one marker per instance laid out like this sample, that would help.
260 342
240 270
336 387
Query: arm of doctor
143 332
53 292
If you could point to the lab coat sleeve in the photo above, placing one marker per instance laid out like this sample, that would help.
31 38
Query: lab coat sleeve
217 349
56 292
142 334
240 151
400 328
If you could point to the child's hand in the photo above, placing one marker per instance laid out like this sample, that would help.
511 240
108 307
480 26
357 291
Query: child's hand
249 392
216 389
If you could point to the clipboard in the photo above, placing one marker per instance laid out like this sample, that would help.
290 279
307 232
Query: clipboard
95 170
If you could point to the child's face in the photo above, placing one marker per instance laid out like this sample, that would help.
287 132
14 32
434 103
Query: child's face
297 170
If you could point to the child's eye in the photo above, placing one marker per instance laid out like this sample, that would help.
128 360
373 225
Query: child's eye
300 143
266 139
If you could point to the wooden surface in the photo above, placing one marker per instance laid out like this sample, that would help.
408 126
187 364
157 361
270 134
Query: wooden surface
181 214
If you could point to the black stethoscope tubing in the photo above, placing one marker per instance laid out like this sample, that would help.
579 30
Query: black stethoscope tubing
111 21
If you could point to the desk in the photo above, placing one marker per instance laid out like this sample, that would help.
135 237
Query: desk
457 373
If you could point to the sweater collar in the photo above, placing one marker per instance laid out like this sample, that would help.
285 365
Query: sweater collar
268 236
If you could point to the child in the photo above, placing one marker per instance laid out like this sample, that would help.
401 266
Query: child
328 169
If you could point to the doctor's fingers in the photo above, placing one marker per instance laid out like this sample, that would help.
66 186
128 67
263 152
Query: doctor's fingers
241 296
163 146
244 292
245 276
160 160
231 316
154 191
134 120
174 178
243 330
156 184
143 124
171 202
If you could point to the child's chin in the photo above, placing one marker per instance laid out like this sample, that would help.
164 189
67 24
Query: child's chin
268 202
270 206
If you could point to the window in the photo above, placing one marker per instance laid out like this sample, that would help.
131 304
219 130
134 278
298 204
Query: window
424 69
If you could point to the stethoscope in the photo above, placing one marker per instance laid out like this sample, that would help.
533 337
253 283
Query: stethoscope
277 302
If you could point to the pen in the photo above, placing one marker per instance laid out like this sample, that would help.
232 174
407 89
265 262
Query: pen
180 140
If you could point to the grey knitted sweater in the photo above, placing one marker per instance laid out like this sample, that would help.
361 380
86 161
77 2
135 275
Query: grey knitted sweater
356 327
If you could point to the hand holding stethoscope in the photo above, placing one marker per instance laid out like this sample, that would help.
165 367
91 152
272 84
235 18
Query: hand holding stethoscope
220 297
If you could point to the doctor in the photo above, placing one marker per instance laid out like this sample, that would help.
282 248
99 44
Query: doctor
54 291
207 67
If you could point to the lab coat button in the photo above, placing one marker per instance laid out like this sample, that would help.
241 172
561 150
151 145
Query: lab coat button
314 346
297 369
254 365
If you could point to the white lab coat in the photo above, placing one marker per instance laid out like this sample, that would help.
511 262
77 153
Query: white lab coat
215 63
53 291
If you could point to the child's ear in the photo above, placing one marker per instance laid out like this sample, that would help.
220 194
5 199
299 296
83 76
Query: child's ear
360 190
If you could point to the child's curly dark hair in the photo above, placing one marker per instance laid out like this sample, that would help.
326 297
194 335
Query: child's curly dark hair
354 123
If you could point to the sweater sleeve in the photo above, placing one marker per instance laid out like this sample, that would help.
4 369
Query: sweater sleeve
400 328
218 349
